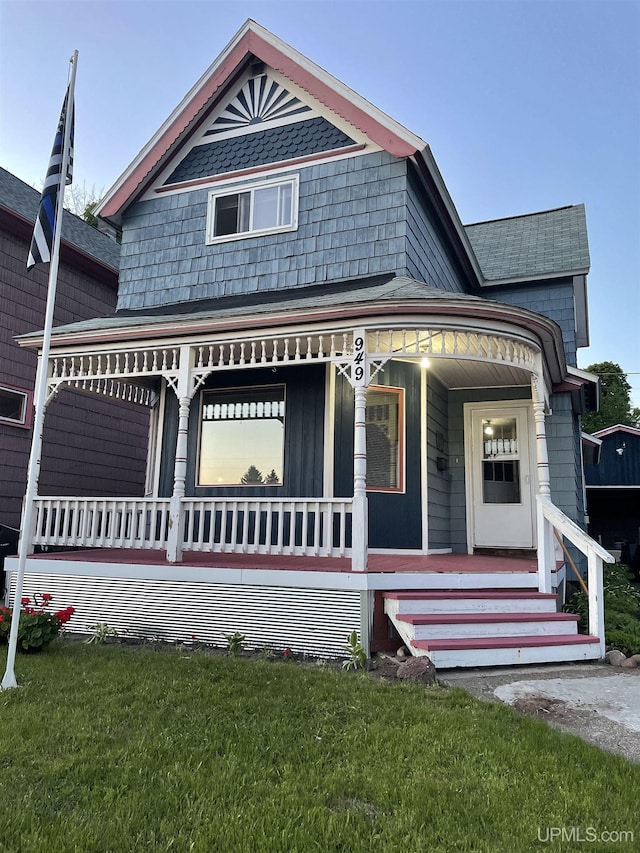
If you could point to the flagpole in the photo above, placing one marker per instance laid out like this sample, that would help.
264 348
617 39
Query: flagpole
33 471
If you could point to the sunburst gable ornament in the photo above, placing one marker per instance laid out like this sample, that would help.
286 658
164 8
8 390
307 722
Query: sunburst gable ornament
260 100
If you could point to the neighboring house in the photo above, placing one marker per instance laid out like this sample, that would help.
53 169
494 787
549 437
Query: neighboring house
358 403
613 492
92 446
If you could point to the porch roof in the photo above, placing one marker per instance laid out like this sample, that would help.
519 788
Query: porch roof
308 304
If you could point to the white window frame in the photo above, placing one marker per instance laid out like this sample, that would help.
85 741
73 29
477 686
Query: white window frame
235 189
201 421
24 421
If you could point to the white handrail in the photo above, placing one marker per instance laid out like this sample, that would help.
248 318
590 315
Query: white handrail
550 517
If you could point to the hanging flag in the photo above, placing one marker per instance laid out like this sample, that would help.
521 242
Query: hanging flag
44 230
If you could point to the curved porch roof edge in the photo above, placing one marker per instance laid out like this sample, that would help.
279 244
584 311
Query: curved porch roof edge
393 300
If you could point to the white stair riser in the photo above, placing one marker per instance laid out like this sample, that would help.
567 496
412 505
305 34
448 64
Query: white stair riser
465 658
464 630
469 605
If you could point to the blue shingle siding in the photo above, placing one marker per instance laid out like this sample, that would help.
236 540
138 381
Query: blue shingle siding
564 463
257 149
351 224
565 467
427 259
438 498
552 299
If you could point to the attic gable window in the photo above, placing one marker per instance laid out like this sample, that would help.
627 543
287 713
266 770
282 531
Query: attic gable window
261 208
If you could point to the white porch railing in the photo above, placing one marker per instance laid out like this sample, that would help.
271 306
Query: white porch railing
101 522
551 518
320 528
300 526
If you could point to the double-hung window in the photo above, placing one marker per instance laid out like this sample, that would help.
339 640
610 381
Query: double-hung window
261 208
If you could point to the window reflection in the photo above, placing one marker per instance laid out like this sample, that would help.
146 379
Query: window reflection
242 437
383 420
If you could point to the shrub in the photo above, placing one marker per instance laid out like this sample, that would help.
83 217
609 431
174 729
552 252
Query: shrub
621 609
38 625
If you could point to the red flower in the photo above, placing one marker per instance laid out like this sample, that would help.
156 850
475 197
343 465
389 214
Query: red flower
1 618
46 597
25 600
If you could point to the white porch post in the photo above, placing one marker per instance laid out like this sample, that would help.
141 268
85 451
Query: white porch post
360 512
27 525
182 389
546 547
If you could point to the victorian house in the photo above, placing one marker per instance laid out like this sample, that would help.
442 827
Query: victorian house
365 415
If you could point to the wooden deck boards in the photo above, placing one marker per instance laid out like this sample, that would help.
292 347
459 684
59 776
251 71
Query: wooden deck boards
378 563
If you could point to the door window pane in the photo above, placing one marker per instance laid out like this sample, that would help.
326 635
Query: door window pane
500 465
242 437
501 482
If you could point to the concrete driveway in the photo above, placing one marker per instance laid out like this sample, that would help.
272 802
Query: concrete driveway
596 701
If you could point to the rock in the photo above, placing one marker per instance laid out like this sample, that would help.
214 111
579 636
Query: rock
615 657
417 669
401 653
636 658
629 663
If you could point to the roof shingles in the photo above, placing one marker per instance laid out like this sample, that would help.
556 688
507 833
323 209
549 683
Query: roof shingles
257 149
23 200
532 246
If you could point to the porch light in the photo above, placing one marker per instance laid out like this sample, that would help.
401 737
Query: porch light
425 363
488 430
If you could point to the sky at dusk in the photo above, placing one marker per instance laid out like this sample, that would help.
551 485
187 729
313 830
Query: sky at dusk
527 104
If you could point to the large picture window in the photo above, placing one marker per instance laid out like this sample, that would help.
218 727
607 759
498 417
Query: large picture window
242 437
253 209
385 439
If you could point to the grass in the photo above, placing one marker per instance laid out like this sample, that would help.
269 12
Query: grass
116 748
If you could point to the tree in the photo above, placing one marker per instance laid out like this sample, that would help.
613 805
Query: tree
615 400
252 477
272 478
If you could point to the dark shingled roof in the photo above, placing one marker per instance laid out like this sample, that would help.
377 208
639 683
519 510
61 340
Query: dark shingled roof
256 149
377 290
532 246
23 200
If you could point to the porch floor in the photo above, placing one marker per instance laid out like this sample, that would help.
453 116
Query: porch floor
378 563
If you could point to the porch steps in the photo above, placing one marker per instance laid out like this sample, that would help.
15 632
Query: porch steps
487 628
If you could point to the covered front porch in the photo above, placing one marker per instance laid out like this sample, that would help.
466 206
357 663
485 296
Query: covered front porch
327 510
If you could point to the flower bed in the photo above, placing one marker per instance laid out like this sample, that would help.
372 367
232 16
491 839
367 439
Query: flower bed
38 625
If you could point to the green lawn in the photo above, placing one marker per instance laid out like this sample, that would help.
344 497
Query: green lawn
116 748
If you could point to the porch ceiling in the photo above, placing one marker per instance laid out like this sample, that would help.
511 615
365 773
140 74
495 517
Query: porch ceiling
463 373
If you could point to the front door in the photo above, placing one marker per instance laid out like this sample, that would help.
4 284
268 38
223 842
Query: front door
500 487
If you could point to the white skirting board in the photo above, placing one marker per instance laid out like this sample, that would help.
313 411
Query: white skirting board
312 621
